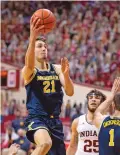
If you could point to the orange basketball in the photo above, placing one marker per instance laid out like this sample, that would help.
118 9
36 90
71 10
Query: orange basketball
47 19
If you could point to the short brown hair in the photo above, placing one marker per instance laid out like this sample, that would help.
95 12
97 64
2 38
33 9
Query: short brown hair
117 101
97 92
41 38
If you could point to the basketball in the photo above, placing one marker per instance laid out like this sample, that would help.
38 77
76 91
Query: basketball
47 19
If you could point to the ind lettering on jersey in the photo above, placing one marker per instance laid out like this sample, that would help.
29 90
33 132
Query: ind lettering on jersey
88 133
111 122
47 78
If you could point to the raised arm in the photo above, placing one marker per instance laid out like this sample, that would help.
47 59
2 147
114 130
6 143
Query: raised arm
28 69
98 115
65 77
72 148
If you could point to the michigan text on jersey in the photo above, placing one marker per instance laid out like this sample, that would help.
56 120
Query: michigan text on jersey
54 77
111 122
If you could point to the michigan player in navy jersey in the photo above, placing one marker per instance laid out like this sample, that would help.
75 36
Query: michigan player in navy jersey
43 83
109 126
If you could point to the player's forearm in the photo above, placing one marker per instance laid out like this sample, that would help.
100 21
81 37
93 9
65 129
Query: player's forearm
69 87
103 106
71 150
30 55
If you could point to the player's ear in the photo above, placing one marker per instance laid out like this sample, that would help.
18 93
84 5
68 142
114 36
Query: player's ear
86 101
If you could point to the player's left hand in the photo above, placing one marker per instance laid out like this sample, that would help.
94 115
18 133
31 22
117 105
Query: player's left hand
65 66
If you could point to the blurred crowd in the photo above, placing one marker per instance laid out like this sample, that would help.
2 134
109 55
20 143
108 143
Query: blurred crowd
87 33
13 114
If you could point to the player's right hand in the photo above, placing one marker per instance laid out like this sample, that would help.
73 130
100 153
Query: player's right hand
116 86
35 26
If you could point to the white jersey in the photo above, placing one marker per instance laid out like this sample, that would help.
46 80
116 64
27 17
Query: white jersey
87 138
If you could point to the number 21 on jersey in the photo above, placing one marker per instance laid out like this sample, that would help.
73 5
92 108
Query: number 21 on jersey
47 85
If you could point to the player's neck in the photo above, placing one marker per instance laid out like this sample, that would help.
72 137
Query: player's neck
116 114
41 65
89 116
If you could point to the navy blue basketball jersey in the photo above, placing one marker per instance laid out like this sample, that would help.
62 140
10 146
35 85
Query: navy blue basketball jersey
109 137
44 93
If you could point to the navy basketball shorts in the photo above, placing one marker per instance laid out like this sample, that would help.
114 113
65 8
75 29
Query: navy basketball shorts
55 129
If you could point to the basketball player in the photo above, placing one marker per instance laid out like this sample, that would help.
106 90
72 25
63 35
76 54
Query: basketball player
43 83
109 126
84 139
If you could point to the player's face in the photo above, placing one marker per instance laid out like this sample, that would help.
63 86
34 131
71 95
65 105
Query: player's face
40 50
93 102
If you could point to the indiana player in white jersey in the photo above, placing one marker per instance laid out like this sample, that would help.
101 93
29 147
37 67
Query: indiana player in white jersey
84 139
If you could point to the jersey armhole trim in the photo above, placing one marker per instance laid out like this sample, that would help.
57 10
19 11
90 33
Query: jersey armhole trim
79 121
31 78
55 70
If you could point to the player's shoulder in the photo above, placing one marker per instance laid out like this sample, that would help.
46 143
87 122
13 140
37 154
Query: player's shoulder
82 117
105 117
28 74
57 65
75 123
109 118
57 68
100 121
77 120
